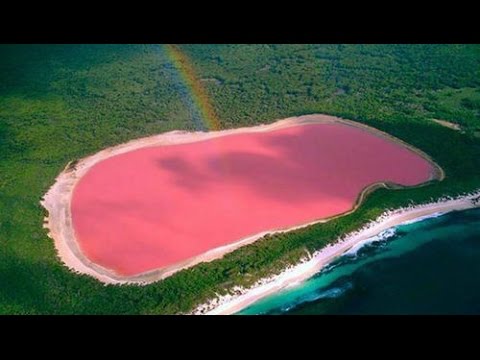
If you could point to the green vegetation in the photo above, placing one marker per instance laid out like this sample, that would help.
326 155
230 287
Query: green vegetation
461 106
60 103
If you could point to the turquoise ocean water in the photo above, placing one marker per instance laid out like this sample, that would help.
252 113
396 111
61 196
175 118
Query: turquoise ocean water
430 266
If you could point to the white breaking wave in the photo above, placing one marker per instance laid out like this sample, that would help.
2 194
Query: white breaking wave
384 235
330 293
421 218
334 292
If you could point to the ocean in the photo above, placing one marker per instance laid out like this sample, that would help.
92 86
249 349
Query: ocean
430 266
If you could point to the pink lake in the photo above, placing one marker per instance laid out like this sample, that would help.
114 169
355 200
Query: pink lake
154 207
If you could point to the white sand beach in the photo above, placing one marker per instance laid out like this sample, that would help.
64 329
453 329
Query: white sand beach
242 298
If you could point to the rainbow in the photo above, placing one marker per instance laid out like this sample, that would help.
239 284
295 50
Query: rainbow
194 85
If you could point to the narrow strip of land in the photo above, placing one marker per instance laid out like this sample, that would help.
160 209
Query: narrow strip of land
231 304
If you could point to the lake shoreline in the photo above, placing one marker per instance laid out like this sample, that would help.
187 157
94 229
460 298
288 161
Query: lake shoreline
57 201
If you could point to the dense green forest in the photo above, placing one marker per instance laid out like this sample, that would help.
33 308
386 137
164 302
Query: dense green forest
63 102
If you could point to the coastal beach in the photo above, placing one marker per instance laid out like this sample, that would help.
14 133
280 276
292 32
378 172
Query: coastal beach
243 298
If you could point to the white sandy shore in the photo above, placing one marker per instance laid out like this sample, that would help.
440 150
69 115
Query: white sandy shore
57 200
242 298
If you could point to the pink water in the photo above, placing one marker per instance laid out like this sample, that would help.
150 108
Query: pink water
154 207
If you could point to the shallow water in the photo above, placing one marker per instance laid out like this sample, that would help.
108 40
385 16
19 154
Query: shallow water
427 267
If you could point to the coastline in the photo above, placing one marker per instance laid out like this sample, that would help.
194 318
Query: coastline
57 201
230 304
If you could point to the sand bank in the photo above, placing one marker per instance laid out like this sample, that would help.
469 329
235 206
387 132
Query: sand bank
242 298
448 124
58 199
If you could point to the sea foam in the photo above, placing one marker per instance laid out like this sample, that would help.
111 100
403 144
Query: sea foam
384 235
421 218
